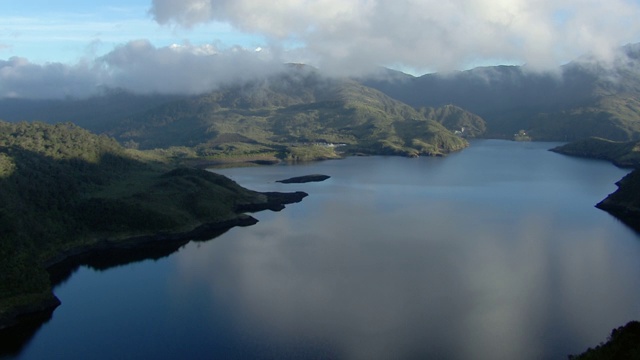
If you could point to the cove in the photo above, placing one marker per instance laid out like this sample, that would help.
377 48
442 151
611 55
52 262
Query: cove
495 252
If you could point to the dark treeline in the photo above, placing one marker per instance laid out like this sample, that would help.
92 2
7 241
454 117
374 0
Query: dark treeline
44 170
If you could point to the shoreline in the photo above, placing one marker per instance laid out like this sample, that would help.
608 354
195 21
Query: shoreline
107 251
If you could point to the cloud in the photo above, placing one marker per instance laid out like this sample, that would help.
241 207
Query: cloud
429 34
341 37
20 78
137 66
141 67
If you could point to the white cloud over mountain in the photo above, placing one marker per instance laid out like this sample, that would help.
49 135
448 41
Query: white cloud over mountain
427 34
341 37
20 78
137 66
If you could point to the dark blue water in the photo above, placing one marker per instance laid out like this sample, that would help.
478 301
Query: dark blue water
496 252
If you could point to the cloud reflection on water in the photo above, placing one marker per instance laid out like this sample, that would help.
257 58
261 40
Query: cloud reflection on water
495 252
413 282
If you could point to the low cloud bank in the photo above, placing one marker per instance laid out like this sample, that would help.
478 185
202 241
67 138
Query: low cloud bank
136 66
342 38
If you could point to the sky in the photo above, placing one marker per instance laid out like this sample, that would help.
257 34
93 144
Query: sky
74 48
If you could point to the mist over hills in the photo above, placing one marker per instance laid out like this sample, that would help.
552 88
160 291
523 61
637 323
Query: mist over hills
585 97
277 115
377 114
295 108
96 113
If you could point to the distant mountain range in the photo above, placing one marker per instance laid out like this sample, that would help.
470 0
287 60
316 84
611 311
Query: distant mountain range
583 98
390 113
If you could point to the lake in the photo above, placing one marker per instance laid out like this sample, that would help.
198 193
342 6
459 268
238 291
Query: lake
495 252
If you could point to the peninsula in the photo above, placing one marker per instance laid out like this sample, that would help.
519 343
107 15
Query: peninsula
305 179
67 195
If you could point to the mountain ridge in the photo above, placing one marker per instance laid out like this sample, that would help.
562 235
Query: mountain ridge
583 98
279 113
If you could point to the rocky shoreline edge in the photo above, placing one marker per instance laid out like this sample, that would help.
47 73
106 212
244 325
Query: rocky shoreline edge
623 203
106 252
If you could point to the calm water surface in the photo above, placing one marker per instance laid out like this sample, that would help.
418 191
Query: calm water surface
496 252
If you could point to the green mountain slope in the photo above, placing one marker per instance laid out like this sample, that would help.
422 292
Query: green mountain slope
282 114
66 191
457 119
583 98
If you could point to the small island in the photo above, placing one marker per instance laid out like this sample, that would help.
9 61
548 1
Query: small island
305 179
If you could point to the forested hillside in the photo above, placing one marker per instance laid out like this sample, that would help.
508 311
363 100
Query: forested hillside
581 99
285 113
270 115
291 115
42 172
63 188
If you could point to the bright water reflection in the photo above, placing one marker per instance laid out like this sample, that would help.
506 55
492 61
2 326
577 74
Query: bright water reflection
493 253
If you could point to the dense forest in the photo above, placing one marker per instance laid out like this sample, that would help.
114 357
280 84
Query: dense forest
623 154
63 188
